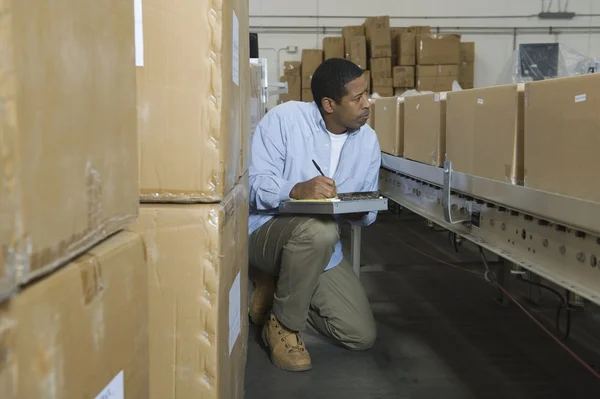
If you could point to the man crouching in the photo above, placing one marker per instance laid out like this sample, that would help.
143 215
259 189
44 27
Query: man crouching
311 151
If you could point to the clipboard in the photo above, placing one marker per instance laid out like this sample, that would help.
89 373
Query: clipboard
361 202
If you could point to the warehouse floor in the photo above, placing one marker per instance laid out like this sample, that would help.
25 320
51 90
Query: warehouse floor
441 334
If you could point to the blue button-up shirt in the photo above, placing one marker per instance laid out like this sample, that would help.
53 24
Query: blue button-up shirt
286 141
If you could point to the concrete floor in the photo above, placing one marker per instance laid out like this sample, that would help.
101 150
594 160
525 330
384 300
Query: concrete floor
441 334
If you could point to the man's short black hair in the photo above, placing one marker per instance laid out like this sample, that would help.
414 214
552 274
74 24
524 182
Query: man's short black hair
331 77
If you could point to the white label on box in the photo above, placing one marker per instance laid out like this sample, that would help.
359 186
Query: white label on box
480 101
436 98
139 32
235 315
580 98
235 59
114 390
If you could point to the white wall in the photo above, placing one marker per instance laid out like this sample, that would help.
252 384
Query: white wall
493 34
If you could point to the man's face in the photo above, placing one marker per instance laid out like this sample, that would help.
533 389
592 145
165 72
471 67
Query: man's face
352 111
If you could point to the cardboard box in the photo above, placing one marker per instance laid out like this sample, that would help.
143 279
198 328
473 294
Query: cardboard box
307 95
257 106
389 124
383 91
333 47
561 136
406 49
371 120
198 285
358 51
419 29
466 76
484 132
190 102
82 330
68 135
467 52
425 128
436 78
292 68
404 76
348 33
306 82
294 88
381 68
382 82
311 59
379 41
438 49
367 75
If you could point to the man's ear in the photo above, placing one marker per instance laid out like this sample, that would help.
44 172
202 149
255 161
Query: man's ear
327 104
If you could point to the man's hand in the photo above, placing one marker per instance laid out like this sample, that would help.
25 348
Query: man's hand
320 187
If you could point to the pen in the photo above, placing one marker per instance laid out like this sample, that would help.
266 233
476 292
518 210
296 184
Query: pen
318 168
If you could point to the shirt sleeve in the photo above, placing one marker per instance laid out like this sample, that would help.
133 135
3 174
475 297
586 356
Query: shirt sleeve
371 184
267 185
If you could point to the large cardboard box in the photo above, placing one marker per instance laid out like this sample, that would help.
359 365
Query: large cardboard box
562 140
348 33
333 47
466 76
311 59
436 78
82 331
438 49
419 29
198 268
404 76
425 128
307 95
358 51
484 132
381 68
389 124
292 68
384 91
405 45
257 107
68 135
379 40
190 102
467 52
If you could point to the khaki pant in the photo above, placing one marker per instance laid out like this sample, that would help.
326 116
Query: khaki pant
297 249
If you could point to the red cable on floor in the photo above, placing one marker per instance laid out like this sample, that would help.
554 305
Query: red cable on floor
512 298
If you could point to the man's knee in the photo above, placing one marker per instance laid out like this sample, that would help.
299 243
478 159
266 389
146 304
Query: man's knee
319 232
362 338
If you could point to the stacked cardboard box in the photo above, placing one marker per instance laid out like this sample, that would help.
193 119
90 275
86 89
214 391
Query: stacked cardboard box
293 76
438 57
348 34
194 123
466 76
78 324
311 59
333 47
379 48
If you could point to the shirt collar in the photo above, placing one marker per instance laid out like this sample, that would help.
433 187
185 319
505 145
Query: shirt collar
321 122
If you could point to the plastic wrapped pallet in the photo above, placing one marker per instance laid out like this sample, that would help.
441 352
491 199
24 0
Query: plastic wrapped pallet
540 61
69 157
190 98
198 268
81 332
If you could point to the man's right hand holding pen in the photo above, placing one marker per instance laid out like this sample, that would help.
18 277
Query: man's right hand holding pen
319 187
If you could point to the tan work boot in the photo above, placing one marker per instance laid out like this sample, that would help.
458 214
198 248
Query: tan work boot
286 347
261 299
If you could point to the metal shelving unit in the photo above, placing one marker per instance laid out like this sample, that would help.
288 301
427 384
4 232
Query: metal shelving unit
553 236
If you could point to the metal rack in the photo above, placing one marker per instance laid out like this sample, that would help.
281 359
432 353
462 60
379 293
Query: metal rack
553 236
